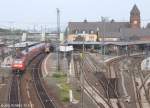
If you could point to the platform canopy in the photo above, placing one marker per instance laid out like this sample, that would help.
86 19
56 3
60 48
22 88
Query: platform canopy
22 44
108 43
66 48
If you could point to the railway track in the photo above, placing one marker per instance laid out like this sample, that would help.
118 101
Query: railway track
114 74
135 63
137 92
143 84
93 68
141 103
111 89
44 98
77 72
14 97
90 85
14 93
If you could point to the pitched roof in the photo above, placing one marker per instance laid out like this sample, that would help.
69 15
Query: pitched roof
102 26
135 10
129 32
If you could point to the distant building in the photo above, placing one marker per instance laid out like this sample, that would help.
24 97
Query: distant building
109 30
135 20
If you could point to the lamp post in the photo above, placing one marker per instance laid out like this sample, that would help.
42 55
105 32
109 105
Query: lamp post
98 41
103 47
97 30
58 34
82 76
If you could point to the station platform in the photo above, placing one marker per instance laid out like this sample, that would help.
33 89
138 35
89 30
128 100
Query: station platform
49 65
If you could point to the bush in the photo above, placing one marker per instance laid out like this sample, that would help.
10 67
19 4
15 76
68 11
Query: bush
59 75
56 75
65 99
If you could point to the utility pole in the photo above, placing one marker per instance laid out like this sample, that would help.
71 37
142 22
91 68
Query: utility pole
98 41
58 34
103 33
82 70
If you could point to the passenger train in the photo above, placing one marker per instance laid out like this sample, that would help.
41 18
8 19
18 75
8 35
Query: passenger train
48 48
23 58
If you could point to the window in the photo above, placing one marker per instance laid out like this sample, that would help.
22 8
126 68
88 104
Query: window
91 38
75 31
84 32
91 32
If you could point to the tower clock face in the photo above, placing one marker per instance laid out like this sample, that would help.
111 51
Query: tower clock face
135 22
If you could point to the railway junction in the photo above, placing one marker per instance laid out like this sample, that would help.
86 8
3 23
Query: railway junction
88 64
109 81
86 77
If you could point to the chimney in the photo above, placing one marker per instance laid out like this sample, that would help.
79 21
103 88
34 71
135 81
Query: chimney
85 21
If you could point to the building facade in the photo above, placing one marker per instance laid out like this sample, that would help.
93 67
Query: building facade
109 30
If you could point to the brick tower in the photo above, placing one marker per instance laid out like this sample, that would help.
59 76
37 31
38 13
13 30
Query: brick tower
135 21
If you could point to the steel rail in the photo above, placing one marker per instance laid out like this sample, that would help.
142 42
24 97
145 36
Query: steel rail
88 68
43 96
14 93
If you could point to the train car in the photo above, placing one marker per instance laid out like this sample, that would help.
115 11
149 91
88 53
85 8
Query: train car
24 57
47 47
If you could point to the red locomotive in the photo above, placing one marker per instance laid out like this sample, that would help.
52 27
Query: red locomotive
24 57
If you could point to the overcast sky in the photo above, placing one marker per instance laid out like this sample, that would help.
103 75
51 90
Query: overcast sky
44 11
